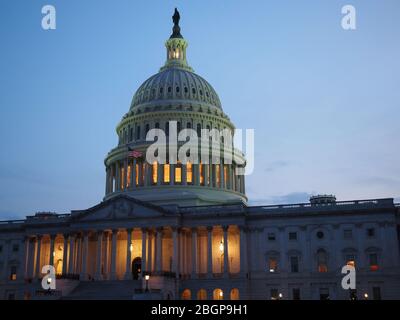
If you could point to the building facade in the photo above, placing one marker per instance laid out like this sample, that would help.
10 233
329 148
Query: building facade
184 230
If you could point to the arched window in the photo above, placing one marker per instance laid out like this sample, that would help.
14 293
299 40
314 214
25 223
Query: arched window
322 260
166 173
235 294
218 294
189 125
202 294
186 294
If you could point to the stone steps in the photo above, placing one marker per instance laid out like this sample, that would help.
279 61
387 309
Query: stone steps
104 290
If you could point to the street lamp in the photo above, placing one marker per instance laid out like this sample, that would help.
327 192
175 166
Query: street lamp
147 277
366 296
280 296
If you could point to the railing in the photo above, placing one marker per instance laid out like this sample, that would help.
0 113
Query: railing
337 203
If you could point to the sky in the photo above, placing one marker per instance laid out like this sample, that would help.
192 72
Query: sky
323 101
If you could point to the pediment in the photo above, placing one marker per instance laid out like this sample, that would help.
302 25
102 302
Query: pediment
119 208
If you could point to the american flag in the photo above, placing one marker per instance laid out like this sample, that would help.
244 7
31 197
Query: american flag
135 154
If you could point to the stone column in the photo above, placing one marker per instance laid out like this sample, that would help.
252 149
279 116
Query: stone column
149 251
107 180
205 173
98 275
128 269
158 250
229 177
243 250
85 251
65 254
113 275
175 252
38 254
194 253
226 254
184 174
27 257
125 174
71 254
171 174
116 187
52 239
209 252
144 264
159 173
5 255
140 173
212 167
196 174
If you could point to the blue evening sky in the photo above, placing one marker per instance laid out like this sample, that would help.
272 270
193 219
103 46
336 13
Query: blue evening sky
324 102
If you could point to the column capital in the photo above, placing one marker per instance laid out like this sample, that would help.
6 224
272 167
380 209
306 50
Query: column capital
243 228
66 235
39 237
225 228
129 230
160 229
194 229
53 236
209 228
144 229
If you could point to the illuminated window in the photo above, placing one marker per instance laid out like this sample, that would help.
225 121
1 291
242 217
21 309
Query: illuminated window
128 182
155 172
143 173
225 175
137 173
373 262
218 294
189 172
202 294
122 177
186 294
322 261
178 172
351 260
272 265
166 173
217 175
235 294
13 273
201 173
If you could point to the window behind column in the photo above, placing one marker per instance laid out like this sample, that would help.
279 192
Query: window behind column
166 173
154 172
178 172
189 172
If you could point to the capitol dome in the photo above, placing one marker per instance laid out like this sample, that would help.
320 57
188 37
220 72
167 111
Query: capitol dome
179 97
175 85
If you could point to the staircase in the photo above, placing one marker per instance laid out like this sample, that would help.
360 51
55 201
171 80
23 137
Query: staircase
104 290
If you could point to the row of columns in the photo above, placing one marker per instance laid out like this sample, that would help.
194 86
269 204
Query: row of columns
132 173
76 251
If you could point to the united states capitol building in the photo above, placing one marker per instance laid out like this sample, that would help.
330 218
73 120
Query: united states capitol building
183 230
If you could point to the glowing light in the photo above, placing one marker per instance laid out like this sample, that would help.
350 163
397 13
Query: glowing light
221 246
131 247
366 295
271 270
221 293
280 296
147 277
